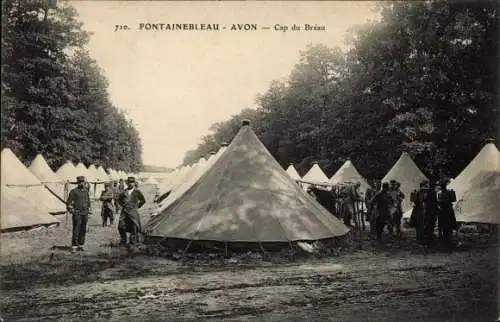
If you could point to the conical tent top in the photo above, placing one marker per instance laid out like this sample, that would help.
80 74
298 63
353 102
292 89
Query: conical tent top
245 122
489 140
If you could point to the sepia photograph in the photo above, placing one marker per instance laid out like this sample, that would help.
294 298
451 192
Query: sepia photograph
250 161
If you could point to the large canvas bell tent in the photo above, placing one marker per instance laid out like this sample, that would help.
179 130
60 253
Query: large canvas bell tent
406 172
19 181
349 174
246 196
481 202
17 213
44 173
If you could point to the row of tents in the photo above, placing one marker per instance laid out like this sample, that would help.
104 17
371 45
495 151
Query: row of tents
242 194
477 187
29 195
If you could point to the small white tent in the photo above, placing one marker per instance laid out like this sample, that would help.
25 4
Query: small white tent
18 213
292 172
349 174
315 174
44 173
20 182
406 172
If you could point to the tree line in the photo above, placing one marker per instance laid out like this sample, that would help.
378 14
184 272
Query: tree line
54 95
422 79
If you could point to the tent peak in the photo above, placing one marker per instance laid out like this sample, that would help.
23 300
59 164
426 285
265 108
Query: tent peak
489 140
245 122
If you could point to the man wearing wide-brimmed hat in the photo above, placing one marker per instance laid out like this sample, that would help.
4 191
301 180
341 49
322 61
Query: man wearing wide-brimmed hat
131 199
78 205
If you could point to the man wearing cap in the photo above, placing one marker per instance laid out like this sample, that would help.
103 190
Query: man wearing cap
78 205
107 209
130 200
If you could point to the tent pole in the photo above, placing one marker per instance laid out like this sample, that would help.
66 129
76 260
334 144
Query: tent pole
291 249
226 252
187 247
262 249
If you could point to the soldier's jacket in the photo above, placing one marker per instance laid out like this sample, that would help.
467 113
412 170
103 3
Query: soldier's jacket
130 203
446 196
78 201
107 197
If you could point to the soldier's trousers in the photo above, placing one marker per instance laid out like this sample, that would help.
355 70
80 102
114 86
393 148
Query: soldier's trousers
79 229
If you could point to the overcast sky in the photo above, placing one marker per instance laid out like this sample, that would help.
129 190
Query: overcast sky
175 84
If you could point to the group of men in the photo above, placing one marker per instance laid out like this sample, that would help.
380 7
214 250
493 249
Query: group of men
124 200
430 205
343 201
384 208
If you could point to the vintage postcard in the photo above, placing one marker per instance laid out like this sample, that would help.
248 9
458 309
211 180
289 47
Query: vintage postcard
249 161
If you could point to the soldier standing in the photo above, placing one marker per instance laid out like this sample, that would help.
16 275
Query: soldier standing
118 191
107 209
423 217
396 209
445 213
381 203
78 205
130 200
370 211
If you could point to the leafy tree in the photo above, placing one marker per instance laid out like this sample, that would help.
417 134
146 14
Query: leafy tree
422 79
54 96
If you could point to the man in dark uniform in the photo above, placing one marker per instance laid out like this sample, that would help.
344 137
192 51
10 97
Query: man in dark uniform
78 205
118 190
107 209
370 212
130 200
381 203
445 213
396 208
423 217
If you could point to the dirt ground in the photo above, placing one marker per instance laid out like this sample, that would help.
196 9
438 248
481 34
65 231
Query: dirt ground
43 281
